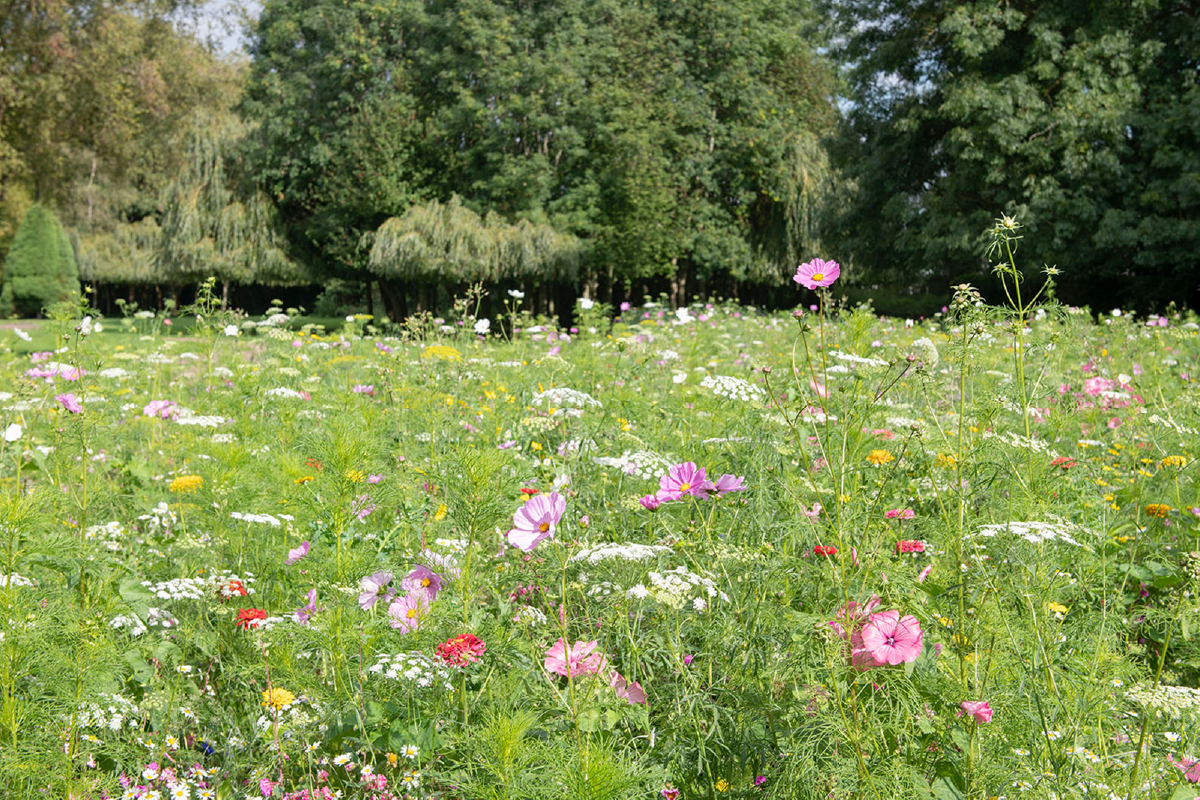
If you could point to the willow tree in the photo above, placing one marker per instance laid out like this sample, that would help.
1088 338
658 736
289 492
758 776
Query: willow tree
448 244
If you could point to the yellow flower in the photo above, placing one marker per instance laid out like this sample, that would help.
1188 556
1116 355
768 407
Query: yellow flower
945 461
1174 461
304 479
441 352
440 514
278 698
392 759
1057 608
878 457
1158 510
535 445
624 424
355 475
722 785
186 484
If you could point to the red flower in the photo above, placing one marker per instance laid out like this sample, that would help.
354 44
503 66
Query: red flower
1064 463
461 650
232 588
825 550
315 464
909 546
528 490
248 617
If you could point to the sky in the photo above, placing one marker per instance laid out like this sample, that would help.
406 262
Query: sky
219 21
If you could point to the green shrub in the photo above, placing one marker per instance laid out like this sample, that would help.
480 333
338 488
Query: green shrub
40 269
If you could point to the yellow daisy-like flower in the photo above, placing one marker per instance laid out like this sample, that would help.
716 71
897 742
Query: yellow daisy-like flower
722 785
303 480
1174 461
392 759
441 352
879 457
1057 608
278 698
945 461
440 514
186 484
1158 510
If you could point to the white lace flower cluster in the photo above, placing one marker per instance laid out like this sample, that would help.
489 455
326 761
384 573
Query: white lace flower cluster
415 668
14 579
1171 701
222 584
645 464
624 551
676 587
111 713
561 397
853 359
161 519
1032 532
155 618
733 388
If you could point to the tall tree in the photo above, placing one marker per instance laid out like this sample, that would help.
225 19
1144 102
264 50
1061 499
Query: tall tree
1078 117
40 268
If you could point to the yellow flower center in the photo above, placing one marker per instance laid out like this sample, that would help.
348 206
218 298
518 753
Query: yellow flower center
424 581
818 276
683 487
545 526
412 612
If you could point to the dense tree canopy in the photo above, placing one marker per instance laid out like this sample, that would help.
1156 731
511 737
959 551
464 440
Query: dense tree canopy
669 138
1078 117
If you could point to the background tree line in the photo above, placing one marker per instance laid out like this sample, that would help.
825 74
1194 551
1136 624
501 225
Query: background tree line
393 151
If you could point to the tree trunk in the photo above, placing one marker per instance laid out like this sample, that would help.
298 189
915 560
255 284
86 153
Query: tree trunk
224 295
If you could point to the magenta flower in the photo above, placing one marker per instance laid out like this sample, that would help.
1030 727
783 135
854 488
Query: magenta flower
70 402
367 389
578 659
1190 768
900 513
422 579
729 483
406 612
891 639
374 588
979 709
684 479
303 614
362 507
650 502
632 692
536 521
817 274
297 554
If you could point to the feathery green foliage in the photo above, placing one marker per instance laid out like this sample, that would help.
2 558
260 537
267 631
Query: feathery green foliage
40 268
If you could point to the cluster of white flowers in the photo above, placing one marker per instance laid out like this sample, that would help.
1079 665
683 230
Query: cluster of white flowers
1021 442
1173 425
111 713
161 519
733 388
853 359
283 391
114 373
603 589
627 551
676 587
926 352
563 397
531 615
155 618
224 584
266 519
14 579
416 668
645 464
1171 701
1032 532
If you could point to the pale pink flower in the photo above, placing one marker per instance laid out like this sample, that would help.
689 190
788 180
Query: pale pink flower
819 388
1190 768
817 273
925 573
979 709
578 659
163 409
729 483
375 588
422 579
632 692
298 553
815 512
650 502
684 479
70 402
406 612
536 521
891 639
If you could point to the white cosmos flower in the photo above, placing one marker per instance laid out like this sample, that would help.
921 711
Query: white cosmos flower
482 326
12 432
231 330
516 293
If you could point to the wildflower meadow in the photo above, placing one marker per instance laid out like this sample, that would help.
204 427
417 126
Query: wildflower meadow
705 551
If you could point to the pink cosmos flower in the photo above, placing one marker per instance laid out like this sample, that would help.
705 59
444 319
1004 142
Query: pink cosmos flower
815 512
70 402
422 579
891 639
163 409
578 659
817 273
375 588
536 521
854 615
297 554
729 483
306 612
819 388
650 502
979 709
684 479
364 388
1190 768
406 612
632 692
925 573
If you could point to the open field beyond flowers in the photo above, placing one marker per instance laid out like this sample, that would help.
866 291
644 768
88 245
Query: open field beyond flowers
693 554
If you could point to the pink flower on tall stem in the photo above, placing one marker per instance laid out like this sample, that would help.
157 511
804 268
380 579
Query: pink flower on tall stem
891 639
70 402
298 553
406 612
1190 768
817 274
979 709
375 588
729 483
650 502
422 579
573 660
536 521
684 479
